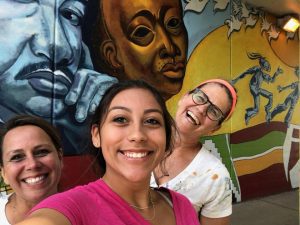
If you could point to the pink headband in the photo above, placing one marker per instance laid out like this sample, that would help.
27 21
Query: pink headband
229 87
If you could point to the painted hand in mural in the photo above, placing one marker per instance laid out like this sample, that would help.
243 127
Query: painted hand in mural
86 92
45 69
279 88
87 88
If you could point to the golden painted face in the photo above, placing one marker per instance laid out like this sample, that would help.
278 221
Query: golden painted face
149 42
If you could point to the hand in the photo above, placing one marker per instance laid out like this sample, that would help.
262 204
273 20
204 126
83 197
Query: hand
86 92
279 70
233 81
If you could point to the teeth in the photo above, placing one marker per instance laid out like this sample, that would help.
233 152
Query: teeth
196 121
34 180
135 154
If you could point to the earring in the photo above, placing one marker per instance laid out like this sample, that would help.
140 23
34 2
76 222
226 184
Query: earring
97 144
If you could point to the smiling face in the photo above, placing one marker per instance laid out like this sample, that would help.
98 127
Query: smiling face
150 40
34 55
132 136
192 118
31 164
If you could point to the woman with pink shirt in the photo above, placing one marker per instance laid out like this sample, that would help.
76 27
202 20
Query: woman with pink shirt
132 131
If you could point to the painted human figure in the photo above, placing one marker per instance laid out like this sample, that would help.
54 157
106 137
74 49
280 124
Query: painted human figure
290 101
135 39
45 68
259 75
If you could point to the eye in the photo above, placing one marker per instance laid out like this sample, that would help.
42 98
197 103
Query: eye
41 152
173 25
214 112
120 120
17 158
199 98
73 17
142 35
152 121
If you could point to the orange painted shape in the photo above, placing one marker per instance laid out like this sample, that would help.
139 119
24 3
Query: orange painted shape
254 165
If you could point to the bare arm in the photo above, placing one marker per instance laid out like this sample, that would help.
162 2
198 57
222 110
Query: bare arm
292 86
250 71
45 217
268 78
214 221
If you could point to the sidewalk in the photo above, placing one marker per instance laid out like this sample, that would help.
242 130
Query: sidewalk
279 209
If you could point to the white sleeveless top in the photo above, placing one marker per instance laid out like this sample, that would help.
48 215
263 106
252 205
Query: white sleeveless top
3 202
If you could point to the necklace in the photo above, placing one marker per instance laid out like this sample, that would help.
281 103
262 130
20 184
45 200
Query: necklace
150 206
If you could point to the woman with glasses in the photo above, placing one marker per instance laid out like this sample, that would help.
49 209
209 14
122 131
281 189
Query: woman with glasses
191 169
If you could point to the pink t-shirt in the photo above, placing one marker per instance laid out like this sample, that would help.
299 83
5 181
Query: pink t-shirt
97 204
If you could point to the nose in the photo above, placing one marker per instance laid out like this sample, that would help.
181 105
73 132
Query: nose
50 41
137 134
32 163
202 109
167 47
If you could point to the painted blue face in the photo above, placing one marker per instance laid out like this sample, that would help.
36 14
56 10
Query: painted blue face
40 51
266 65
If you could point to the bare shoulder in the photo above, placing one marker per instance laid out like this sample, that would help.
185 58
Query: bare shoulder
214 221
45 217
163 207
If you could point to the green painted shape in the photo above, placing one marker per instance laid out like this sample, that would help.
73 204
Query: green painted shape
258 146
225 153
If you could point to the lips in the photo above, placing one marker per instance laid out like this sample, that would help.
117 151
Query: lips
193 118
173 70
48 82
35 180
135 155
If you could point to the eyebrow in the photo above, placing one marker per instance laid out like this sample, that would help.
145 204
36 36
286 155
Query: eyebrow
163 10
208 99
145 13
146 111
21 150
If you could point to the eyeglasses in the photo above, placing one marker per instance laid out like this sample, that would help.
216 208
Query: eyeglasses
212 111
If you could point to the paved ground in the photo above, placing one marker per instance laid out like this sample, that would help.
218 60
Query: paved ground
279 209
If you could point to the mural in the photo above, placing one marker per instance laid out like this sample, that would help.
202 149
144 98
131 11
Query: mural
289 102
147 40
45 68
242 44
57 58
258 76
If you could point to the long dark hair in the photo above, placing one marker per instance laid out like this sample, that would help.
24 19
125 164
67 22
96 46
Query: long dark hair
101 112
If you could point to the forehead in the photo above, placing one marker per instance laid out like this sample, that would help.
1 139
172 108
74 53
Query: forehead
129 8
217 94
22 135
138 98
